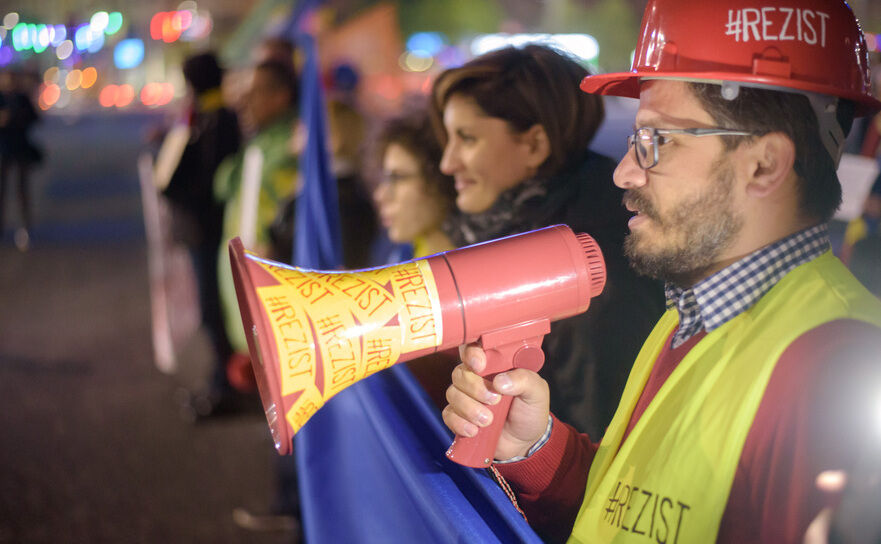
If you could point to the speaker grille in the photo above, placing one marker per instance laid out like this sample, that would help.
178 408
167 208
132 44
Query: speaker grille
596 266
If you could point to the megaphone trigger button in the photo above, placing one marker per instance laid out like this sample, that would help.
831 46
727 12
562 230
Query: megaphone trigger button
529 357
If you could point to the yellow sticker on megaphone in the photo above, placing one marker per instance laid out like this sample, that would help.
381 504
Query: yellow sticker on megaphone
335 328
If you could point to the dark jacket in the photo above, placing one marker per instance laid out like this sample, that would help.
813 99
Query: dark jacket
588 356
19 116
214 135
358 224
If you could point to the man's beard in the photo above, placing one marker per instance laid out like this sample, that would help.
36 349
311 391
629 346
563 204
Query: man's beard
697 231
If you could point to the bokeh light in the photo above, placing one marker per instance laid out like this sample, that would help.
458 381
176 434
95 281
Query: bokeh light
169 25
415 61
114 23
59 34
150 93
21 37
82 37
5 55
50 95
89 77
428 42
64 50
97 41
107 96
157 94
99 21
42 38
73 80
583 46
125 95
181 20
10 20
128 53
50 75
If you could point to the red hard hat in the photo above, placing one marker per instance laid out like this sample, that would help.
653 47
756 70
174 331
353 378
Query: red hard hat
805 45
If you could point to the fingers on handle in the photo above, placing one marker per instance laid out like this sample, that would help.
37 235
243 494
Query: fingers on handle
527 385
468 397
473 356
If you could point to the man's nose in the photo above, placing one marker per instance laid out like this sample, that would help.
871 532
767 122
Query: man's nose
628 174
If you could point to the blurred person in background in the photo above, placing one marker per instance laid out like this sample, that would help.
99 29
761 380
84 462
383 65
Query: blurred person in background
252 184
414 199
358 221
861 247
18 153
358 226
413 196
517 130
197 217
275 48
272 48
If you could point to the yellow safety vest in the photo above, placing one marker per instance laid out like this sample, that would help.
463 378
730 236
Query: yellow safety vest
669 481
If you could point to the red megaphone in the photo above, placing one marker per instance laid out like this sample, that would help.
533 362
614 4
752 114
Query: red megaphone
313 333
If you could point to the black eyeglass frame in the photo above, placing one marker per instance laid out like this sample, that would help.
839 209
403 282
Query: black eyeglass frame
642 132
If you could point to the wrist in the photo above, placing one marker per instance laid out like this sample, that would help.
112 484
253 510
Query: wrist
528 452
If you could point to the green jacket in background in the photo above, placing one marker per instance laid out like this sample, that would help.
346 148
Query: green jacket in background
277 183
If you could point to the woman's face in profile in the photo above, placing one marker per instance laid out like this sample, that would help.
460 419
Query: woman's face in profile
484 155
408 207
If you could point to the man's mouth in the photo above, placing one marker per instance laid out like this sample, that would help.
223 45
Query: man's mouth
638 205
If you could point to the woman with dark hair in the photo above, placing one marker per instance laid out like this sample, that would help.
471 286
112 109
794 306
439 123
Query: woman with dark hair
413 197
516 129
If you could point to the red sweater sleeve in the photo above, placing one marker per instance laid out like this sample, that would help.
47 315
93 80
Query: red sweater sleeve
819 412
550 484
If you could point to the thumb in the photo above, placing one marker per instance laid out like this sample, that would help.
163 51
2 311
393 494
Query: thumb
524 384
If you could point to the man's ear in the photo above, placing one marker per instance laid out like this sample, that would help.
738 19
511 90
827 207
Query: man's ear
538 146
772 158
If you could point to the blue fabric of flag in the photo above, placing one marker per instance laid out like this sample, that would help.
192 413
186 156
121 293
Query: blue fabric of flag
373 470
371 463
317 238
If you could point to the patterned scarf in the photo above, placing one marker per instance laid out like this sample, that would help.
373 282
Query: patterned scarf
508 215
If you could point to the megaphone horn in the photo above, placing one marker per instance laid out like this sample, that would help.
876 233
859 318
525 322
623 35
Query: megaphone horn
312 333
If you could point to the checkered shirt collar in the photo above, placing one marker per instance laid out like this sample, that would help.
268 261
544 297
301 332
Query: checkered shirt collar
723 296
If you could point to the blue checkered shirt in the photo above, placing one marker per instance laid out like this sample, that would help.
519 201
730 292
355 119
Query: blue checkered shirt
714 301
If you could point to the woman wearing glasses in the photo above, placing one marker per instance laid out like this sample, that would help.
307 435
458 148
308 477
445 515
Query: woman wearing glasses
413 196
517 128
414 199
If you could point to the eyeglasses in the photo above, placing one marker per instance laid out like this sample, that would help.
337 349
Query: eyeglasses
647 140
393 178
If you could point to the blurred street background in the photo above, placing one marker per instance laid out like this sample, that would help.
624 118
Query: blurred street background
94 448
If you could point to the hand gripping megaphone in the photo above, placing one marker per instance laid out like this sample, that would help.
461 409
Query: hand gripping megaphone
312 333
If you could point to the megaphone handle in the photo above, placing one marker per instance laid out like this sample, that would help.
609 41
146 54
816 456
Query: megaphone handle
478 451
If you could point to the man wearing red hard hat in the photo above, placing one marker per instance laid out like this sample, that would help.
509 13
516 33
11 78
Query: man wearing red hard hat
763 374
